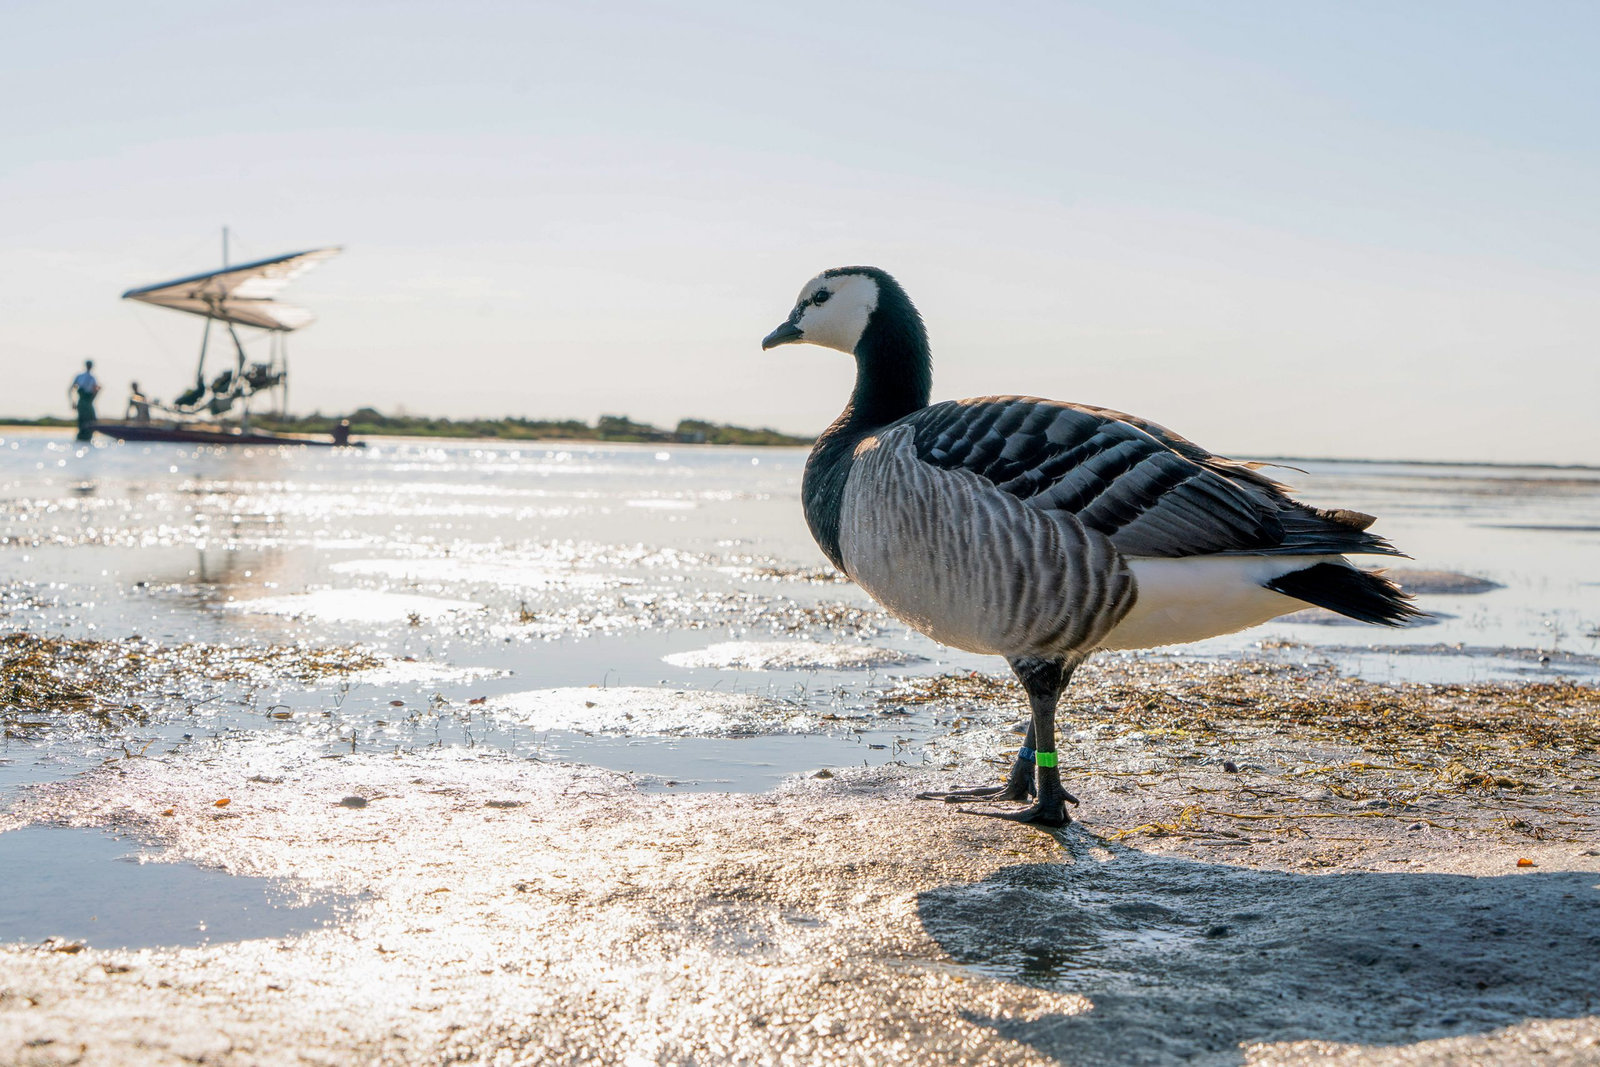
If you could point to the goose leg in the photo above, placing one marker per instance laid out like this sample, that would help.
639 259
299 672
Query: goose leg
1018 785
1044 679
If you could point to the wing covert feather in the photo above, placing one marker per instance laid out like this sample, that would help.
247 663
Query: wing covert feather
1150 491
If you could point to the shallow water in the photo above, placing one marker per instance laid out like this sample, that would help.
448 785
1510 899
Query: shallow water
496 571
94 888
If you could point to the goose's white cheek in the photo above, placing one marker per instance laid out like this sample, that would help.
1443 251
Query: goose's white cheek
836 324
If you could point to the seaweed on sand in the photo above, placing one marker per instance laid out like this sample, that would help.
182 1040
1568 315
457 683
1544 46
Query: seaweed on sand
1532 746
1209 701
43 677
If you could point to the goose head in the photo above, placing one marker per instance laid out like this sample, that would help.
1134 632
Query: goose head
864 312
833 310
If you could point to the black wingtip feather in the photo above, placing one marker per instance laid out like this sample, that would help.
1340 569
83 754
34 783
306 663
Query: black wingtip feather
1360 595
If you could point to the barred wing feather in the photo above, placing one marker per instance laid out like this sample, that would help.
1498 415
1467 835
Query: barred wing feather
1148 490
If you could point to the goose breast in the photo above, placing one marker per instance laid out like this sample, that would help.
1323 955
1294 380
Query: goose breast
973 566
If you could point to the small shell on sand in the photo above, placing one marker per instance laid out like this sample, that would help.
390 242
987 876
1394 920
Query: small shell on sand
789 656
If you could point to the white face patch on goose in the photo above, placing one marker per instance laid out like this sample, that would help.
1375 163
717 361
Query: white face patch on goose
833 311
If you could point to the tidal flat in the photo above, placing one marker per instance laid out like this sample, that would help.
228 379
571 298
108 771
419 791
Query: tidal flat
482 754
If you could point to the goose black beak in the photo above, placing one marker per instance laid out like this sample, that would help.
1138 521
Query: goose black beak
783 335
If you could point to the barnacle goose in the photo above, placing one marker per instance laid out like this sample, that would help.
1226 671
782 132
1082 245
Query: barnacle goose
1041 531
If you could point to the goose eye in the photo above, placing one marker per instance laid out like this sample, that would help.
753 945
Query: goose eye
821 297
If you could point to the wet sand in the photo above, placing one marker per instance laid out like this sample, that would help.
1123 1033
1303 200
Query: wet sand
1324 901
406 670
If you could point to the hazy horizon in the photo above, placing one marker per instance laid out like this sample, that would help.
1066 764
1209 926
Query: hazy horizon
1358 231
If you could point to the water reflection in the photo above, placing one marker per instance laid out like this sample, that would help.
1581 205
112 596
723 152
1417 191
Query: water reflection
91 887
536 566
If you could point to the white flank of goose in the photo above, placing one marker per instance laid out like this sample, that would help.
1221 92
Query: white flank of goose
1042 531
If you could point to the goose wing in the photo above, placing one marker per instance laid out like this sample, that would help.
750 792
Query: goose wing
1148 490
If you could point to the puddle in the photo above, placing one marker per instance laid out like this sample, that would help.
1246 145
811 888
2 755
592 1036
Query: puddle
641 711
354 605
96 888
509 574
789 656
728 765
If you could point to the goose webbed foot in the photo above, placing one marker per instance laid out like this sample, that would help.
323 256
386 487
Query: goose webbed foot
1053 817
992 793
1018 785
1050 810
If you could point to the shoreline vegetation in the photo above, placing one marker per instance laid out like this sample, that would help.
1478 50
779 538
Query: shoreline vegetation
372 423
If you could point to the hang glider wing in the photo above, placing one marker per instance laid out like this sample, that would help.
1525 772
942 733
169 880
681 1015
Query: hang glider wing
242 294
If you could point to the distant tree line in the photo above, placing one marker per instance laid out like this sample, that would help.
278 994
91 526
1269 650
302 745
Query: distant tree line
371 422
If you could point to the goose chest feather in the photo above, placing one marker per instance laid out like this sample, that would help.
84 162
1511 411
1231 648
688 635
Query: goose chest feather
1040 530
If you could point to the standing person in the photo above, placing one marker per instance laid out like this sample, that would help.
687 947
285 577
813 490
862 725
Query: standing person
138 405
85 386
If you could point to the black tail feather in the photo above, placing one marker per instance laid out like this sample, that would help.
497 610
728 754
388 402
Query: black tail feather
1360 595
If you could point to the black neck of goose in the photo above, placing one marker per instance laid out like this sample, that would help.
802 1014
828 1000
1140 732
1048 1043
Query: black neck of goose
894 378
894 367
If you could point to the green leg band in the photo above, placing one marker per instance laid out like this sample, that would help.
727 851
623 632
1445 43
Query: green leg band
1045 759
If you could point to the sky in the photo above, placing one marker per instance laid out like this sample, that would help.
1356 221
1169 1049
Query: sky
1359 229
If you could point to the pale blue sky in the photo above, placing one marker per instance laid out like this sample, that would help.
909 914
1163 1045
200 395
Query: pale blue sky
1364 229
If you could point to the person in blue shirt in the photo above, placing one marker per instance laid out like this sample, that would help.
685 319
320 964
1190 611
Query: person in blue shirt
83 390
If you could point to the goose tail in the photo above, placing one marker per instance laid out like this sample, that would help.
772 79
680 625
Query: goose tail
1362 595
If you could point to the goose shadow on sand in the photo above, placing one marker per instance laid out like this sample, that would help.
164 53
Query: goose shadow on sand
1184 960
